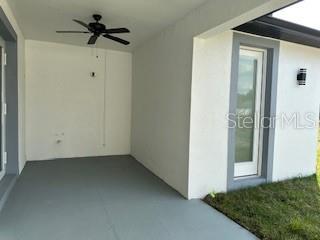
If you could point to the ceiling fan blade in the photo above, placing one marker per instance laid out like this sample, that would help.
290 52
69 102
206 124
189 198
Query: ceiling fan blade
117 30
72 32
82 23
93 39
119 40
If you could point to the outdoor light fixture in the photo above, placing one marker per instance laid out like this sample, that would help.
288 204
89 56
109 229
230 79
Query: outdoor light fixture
302 76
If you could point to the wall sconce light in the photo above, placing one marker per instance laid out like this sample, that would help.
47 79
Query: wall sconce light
302 76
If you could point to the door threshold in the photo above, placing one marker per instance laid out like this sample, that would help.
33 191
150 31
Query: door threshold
240 183
246 177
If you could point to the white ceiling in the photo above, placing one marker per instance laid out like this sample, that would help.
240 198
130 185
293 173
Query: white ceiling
39 19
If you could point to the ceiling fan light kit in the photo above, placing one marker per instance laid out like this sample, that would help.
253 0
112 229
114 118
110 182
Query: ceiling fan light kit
97 29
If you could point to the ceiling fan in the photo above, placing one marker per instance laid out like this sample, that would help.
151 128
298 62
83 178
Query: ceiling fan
97 29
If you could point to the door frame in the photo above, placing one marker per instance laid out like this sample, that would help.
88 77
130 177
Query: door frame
272 48
253 168
10 37
3 153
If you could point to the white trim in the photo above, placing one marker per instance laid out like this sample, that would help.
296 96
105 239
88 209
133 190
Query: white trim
253 168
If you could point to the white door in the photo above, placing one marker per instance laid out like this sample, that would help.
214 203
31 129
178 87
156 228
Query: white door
250 102
3 110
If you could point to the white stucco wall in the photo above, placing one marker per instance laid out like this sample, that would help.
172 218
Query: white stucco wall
21 81
162 73
209 109
64 103
295 149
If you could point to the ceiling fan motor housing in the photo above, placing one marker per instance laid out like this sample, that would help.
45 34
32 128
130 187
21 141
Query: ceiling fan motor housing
97 28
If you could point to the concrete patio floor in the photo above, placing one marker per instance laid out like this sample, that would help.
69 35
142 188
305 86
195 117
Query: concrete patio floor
106 198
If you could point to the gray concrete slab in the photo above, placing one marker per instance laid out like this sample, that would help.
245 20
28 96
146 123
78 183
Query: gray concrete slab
106 198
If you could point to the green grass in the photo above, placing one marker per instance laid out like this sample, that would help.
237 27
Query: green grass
288 210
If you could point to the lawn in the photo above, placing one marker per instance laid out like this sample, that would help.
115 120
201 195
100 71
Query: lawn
287 210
